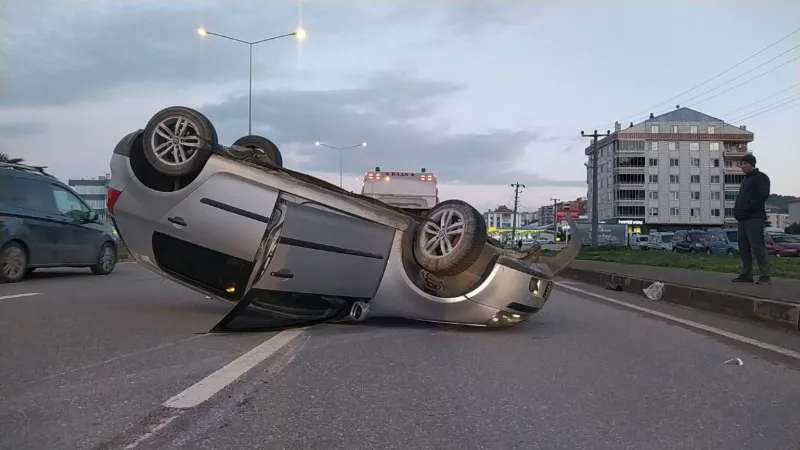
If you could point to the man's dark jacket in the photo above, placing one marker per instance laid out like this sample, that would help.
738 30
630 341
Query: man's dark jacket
753 194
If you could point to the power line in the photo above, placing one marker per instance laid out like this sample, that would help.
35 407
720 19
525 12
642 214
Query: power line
740 117
761 100
712 78
740 84
785 103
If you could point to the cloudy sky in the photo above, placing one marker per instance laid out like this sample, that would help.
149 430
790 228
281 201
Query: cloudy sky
482 93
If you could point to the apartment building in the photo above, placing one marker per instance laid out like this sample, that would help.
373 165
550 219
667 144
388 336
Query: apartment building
503 217
672 171
93 191
794 212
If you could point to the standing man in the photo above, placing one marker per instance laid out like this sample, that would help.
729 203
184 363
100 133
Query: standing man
751 214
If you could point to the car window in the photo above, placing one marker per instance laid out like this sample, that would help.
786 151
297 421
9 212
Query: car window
786 239
733 236
28 194
695 237
666 238
68 204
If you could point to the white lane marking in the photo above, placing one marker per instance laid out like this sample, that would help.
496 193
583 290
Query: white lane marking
29 294
153 430
689 323
217 381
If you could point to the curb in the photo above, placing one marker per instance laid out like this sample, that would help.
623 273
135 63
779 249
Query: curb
775 312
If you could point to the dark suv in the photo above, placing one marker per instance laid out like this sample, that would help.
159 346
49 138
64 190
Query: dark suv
44 223
689 241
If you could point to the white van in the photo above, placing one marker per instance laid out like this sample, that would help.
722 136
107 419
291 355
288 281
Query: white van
660 241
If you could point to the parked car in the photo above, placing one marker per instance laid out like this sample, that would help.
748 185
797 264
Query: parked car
638 242
689 241
287 248
782 244
44 223
722 242
660 241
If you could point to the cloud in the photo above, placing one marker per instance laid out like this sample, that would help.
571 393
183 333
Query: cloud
387 112
19 129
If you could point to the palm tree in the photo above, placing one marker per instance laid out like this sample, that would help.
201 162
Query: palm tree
6 158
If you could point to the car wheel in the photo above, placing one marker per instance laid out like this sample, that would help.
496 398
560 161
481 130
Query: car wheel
450 238
13 263
708 251
106 260
178 141
267 147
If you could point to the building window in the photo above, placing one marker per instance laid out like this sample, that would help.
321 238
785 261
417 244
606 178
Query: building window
715 211
695 179
714 146
730 196
673 162
728 163
654 128
728 212
653 162
714 179
653 195
674 212
654 146
654 178
711 129
694 146
672 146
693 129
653 212
715 162
695 195
734 178
695 162
714 195
674 178
695 212
674 195
674 128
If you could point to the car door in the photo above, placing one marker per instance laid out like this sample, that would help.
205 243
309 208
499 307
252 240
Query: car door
680 242
30 213
326 252
77 242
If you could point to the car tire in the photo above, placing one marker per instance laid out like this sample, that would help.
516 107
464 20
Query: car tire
13 263
106 260
269 148
445 255
189 130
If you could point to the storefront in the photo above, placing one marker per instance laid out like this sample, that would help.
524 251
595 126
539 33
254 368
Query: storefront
635 226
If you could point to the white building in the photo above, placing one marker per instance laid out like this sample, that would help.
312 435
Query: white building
94 192
502 217
794 212
676 170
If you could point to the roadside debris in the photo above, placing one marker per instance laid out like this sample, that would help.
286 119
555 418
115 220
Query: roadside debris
735 362
614 287
654 291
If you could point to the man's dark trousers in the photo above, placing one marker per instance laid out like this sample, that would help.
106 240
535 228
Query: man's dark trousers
751 241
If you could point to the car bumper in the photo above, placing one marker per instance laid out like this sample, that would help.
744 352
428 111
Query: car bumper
512 292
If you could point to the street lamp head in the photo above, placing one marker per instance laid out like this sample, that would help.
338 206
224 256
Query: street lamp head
363 144
202 31
300 34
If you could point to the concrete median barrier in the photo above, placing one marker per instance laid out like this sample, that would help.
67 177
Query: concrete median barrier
770 311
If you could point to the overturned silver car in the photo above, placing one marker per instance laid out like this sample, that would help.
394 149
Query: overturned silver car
285 248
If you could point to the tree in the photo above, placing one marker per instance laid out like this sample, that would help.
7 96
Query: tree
793 228
767 223
5 158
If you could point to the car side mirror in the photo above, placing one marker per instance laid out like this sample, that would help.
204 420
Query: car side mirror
92 216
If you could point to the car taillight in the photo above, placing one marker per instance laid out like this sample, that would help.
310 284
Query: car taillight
111 199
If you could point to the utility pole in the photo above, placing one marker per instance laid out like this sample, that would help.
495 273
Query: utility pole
516 187
555 216
595 220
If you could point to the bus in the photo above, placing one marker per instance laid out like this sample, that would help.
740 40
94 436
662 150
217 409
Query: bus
414 192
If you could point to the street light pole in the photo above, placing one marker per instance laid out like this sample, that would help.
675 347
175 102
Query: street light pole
341 157
299 33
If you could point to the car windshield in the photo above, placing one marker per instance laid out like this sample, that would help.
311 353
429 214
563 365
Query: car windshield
786 239
733 236
666 238
696 237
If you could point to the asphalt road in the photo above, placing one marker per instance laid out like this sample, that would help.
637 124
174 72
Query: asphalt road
90 361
